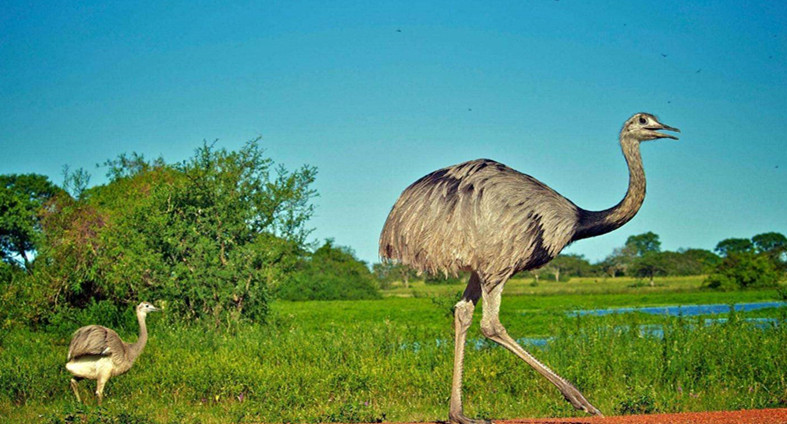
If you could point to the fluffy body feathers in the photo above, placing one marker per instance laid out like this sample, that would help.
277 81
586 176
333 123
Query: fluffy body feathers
478 216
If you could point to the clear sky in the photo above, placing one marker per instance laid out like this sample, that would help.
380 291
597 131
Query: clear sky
378 94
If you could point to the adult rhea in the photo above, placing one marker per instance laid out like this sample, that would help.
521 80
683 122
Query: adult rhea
486 218
98 353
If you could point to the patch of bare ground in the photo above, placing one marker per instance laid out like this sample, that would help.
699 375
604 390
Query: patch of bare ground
748 416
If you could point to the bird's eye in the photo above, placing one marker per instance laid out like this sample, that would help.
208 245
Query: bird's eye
642 120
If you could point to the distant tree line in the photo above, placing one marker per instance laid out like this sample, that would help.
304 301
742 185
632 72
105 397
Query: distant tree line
735 263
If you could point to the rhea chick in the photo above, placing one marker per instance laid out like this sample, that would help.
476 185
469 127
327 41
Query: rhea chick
98 353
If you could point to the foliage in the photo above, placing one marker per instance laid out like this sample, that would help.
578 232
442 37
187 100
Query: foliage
686 262
774 246
644 243
636 405
8 295
619 261
730 246
207 237
438 278
615 264
743 270
80 413
388 272
21 200
694 262
75 182
330 273
650 264
758 262
770 242
565 266
642 257
629 259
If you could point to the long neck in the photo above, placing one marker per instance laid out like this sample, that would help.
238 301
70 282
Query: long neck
594 223
135 348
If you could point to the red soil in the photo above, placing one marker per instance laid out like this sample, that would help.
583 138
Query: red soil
751 416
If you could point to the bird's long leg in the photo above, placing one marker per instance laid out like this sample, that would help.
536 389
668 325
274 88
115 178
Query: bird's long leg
102 380
494 330
463 317
75 388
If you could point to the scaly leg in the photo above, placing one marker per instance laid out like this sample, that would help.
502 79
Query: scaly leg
102 380
494 330
75 388
463 317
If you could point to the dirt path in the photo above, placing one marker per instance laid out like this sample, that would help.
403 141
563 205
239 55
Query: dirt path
750 416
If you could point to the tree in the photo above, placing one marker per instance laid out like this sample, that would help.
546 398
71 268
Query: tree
622 258
22 198
743 270
644 243
651 264
769 242
684 262
734 245
565 266
696 262
440 278
330 273
618 262
388 272
773 245
75 182
209 236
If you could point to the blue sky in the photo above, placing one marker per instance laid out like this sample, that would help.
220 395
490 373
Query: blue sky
376 95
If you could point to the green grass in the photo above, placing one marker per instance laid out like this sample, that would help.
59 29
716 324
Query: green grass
391 359
526 286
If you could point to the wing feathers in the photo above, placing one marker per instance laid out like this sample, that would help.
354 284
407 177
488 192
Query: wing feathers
95 340
479 215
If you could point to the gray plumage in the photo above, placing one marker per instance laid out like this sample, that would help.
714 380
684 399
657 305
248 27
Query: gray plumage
98 353
443 222
493 221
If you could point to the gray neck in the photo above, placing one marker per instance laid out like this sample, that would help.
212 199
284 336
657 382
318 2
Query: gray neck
594 223
136 348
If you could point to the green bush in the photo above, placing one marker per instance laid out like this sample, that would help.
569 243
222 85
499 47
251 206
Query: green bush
208 237
743 270
330 273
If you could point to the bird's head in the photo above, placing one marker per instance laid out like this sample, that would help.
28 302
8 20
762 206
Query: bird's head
644 126
145 307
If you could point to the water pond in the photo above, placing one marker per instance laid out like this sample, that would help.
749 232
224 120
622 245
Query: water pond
684 310
652 330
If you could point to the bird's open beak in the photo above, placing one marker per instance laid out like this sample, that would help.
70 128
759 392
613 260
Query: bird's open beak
655 130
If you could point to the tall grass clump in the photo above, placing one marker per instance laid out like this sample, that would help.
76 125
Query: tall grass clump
681 364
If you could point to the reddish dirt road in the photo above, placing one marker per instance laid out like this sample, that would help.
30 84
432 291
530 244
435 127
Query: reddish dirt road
751 416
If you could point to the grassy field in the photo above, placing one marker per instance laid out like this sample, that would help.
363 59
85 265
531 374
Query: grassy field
390 360
526 286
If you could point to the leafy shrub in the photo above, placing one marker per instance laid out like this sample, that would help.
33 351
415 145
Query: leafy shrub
79 413
330 273
636 405
743 270
209 236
